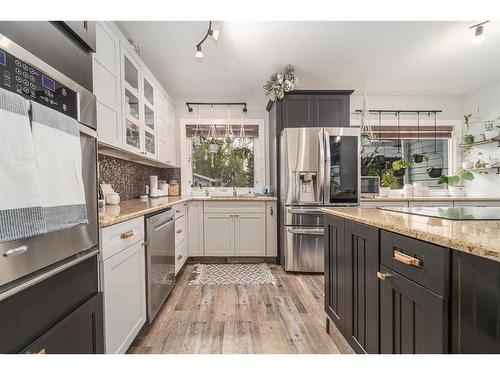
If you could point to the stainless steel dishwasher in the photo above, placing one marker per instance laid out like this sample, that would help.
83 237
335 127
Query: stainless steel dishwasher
160 259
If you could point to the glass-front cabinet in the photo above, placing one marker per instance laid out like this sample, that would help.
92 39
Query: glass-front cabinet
138 107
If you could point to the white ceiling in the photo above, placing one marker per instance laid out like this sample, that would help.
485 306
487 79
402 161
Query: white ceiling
386 57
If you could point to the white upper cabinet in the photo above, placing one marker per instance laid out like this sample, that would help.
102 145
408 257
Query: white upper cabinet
106 68
132 107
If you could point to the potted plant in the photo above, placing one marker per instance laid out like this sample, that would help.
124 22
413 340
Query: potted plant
466 149
419 157
399 166
453 180
387 182
469 138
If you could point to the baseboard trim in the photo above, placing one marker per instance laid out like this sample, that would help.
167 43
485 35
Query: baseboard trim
338 338
208 260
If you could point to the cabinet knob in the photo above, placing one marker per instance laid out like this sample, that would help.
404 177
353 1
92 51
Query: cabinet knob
179 230
383 276
272 211
144 243
179 257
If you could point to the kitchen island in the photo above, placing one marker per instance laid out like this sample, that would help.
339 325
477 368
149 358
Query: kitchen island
403 283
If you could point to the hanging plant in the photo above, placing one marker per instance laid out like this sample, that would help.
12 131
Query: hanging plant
281 82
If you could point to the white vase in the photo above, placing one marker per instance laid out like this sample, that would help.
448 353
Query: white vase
490 134
456 191
384 191
467 164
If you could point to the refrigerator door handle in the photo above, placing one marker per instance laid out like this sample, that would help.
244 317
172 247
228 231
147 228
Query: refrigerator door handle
321 171
327 167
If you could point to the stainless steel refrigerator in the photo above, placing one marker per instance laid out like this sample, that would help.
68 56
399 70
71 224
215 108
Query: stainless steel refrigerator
318 167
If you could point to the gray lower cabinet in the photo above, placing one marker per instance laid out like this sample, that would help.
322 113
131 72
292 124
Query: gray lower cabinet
413 320
351 294
475 305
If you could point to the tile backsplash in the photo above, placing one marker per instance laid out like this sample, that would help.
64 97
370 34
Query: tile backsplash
129 179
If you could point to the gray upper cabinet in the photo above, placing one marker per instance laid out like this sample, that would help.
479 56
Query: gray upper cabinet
332 111
298 111
316 109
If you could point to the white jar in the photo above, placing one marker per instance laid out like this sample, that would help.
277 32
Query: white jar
112 198
467 164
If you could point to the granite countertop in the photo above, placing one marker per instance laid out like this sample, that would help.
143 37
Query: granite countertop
132 208
428 199
480 238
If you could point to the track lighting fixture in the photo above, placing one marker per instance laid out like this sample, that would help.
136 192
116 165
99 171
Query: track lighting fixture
213 32
478 32
199 52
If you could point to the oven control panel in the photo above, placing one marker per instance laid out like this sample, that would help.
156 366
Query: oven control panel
22 78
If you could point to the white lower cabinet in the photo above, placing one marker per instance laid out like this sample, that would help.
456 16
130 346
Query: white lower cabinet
271 229
219 234
181 238
235 228
195 232
124 290
250 234
123 283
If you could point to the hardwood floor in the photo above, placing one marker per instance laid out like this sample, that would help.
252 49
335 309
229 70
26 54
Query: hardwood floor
268 319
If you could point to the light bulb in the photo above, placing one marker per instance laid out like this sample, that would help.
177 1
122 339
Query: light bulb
214 34
478 35
199 53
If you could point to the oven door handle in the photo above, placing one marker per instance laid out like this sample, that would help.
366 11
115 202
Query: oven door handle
312 232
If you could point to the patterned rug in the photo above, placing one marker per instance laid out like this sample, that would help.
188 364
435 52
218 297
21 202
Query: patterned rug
231 274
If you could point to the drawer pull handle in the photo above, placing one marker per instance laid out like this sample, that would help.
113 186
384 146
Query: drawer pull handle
407 259
179 231
127 234
383 276
179 257
178 211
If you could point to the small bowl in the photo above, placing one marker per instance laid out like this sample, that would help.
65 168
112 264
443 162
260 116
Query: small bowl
112 198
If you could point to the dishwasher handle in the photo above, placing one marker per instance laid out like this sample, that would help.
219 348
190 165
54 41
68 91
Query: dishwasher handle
163 224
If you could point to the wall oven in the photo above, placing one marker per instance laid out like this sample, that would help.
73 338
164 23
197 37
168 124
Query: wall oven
34 79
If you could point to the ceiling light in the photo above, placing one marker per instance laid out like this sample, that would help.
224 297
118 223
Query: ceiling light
199 52
478 32
212 32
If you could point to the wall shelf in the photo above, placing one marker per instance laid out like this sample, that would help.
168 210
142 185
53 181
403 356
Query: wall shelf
483 170
496 139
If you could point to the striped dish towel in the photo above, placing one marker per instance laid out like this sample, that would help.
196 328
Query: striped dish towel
21 214
58 155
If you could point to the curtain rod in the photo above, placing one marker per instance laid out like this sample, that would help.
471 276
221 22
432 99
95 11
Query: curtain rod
190 109
397 111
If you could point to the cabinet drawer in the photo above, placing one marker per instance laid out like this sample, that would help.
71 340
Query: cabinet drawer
180 210
120 236
180 229
81 332
421 262
236 207
180 256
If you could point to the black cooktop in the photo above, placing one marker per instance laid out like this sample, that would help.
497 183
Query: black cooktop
451 213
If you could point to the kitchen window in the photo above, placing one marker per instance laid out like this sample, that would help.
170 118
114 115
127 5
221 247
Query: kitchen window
218 162
378 156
